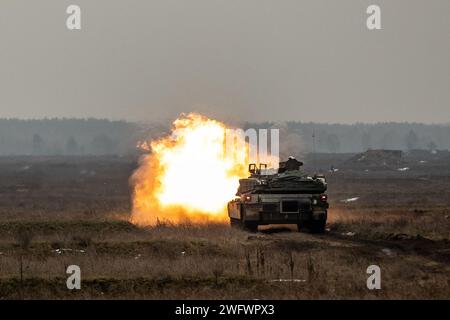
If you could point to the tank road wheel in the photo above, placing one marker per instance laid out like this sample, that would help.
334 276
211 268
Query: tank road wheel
248 226
235 223
313 226
251 226
242 223
318 226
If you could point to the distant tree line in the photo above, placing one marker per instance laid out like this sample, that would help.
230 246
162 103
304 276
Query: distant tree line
103 137
67 137
335 138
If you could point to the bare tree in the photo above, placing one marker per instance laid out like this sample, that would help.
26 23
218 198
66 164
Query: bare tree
412 141
333 143
38 144
366 141
72 146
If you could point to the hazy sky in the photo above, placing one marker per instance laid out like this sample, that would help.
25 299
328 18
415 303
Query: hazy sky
232 59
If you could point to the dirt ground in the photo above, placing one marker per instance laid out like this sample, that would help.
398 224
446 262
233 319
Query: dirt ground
56 212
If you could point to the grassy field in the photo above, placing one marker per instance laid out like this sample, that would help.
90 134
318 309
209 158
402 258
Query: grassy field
55 212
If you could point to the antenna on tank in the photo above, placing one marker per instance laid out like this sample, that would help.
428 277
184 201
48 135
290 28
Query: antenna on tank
314 149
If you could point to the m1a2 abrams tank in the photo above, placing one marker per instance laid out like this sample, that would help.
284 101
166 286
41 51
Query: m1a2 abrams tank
285 196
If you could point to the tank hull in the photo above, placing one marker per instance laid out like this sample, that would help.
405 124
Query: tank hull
264 209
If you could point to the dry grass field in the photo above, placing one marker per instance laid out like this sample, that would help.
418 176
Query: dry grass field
56 212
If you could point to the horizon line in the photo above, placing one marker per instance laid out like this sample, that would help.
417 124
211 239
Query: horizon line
242 121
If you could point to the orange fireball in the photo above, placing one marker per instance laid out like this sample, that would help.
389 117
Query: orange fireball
188 175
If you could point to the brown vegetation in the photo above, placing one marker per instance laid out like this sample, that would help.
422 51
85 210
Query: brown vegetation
53 215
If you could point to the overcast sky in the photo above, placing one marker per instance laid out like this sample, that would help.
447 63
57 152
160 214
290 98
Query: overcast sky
232 59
